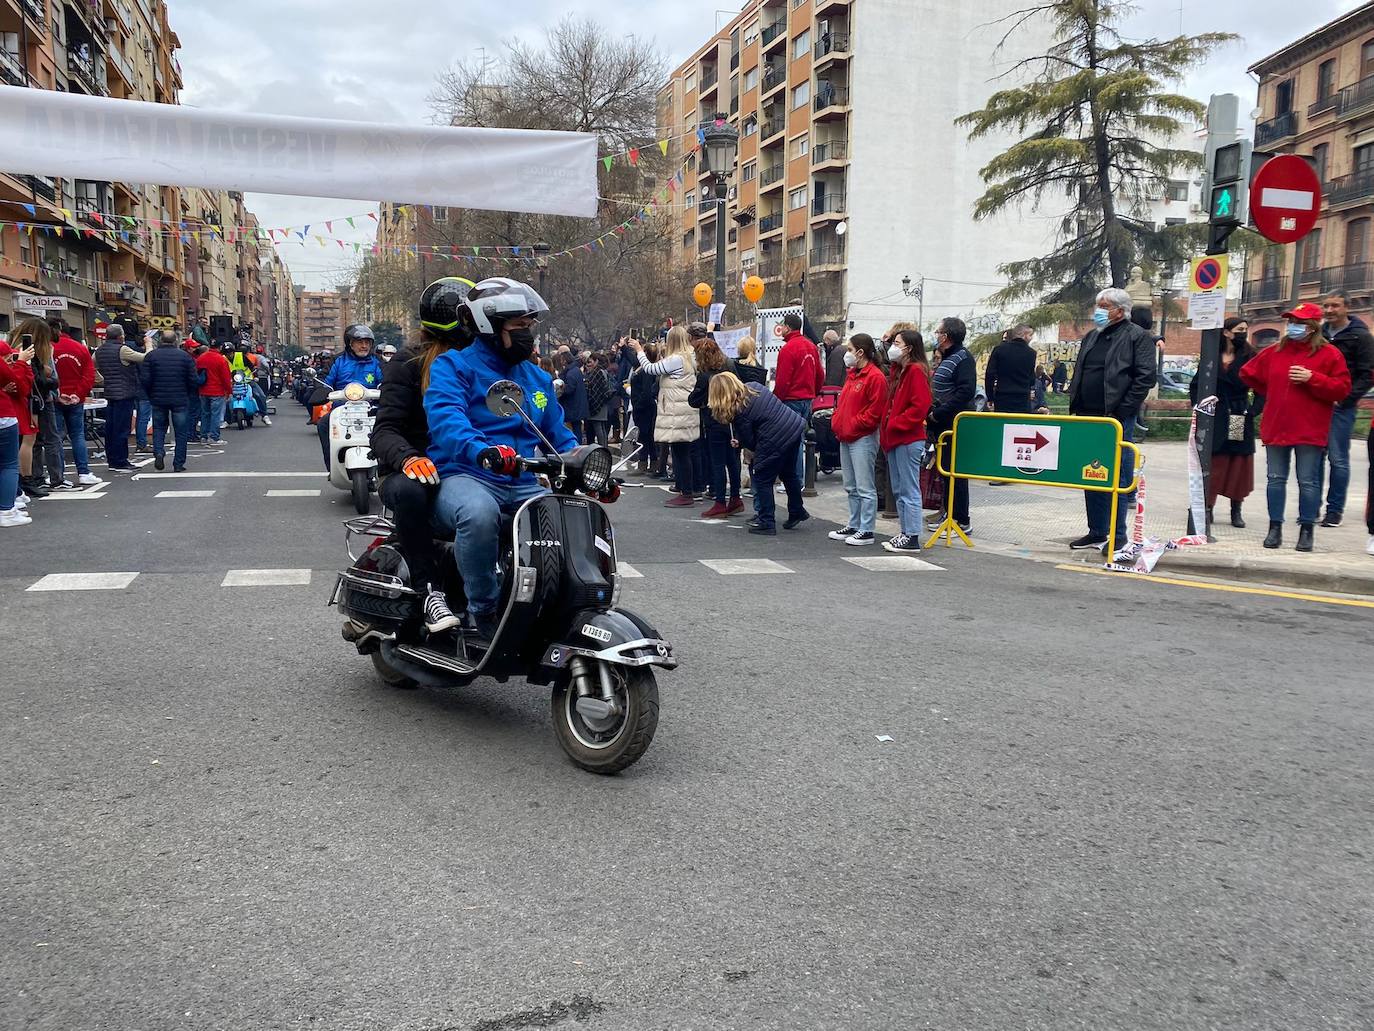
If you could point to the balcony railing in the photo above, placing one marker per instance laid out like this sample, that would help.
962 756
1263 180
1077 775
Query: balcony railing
164 307
830 204
1355 279
1352 99
773 78
1345 189
771 175
835 96
12 69
42 186
832 43
831 254
836 150
772 32
769 268
709 79
1270 290
37 10
1276 129
772 127
706 204
85 70
769 223
1326 103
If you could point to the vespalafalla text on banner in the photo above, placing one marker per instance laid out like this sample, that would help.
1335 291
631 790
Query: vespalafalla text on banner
75 136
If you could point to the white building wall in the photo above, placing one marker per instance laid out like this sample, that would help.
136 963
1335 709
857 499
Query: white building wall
913 178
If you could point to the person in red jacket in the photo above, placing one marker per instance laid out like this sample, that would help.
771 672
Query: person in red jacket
858 414
799 377
1301 377
16 381
217 383
75 378
903 433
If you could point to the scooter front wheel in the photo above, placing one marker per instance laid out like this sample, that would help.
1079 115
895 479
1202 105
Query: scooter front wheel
608 744
362 491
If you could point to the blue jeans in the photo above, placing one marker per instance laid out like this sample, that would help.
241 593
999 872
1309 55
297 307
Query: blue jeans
260 399
857 462
471 509
145 421
764 502
1279 460
1338 453
9 466
802 408
71 420
1099 503
179 418
904 465
211 415
118 415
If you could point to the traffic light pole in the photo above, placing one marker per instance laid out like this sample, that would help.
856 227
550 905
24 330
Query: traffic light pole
1218 234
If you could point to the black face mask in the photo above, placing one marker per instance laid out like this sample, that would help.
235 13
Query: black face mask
521 346
1239 339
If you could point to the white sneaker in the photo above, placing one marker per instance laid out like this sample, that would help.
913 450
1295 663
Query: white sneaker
266 421
88 479
14 517
21 500
224 425
1370 550
842 534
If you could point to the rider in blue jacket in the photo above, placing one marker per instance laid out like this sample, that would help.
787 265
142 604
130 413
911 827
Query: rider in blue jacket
474 450
357 363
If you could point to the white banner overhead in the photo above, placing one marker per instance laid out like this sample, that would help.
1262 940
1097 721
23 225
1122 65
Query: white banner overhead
78 137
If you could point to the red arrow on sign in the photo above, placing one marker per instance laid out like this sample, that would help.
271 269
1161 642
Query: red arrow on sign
1038 440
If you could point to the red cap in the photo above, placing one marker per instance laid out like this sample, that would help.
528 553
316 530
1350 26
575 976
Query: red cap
1304 312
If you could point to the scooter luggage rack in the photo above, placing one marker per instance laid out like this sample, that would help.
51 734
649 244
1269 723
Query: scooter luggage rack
365 526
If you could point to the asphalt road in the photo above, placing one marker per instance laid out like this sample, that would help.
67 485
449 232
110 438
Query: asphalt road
1104 803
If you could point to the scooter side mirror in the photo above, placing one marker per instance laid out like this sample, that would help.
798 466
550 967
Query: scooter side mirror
505 398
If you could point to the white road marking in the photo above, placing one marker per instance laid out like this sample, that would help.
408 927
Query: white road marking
184 494
293 493
84 582
744 566
628 572
893 564
316 474
266 578
74 495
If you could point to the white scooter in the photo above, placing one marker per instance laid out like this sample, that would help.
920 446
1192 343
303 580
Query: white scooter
352 465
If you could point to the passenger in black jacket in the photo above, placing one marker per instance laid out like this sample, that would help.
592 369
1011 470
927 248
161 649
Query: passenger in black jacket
400 438
952 386
169 376
644 408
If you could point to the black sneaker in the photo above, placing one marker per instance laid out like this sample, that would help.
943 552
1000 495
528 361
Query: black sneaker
1331 518
438 616
842 534
764 531
1088 542
861 538
159 464
792 524
902 543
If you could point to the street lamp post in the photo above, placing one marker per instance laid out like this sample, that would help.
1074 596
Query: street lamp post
541 262
919 292
721 141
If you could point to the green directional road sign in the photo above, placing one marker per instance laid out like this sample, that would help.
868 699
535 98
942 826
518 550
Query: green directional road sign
1059 451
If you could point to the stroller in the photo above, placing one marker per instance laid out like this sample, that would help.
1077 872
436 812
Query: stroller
827 447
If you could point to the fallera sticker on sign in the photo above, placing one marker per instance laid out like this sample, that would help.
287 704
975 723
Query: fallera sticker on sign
1096 472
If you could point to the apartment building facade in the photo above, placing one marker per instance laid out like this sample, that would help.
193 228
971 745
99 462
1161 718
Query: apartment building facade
111 248
851 173
1316 99
322 316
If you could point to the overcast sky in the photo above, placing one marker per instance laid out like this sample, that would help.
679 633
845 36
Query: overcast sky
358 59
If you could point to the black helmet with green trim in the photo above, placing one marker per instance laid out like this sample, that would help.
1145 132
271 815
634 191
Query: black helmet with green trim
442 311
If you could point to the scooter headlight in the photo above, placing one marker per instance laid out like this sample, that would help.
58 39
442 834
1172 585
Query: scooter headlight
354 391
596 470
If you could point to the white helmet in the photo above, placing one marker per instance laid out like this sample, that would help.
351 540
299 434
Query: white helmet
492 301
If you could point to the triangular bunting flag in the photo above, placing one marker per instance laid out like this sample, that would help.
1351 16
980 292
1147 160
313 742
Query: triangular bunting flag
31 209
663 146
607 162
634 155
351 225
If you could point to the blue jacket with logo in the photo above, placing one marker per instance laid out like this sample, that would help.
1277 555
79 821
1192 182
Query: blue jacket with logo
461 426
348 369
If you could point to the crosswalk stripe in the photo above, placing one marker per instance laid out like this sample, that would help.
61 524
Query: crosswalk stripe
628 572
83 582
266 578
74 495
893 564
293 493
184 494
744 566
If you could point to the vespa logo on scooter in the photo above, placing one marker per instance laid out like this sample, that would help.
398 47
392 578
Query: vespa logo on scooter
543 544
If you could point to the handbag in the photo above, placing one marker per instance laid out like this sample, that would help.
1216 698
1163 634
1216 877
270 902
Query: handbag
932 484
1235 427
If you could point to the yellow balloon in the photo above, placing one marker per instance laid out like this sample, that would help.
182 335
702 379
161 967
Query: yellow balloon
753 289
701 293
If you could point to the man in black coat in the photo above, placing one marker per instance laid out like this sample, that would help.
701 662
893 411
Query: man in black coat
952 387
1010 376
1352 338
1114 372
169 377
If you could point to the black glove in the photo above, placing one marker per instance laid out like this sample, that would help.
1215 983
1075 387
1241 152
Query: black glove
500 459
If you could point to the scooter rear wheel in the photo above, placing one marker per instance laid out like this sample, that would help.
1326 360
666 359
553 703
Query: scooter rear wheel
609 747
390 676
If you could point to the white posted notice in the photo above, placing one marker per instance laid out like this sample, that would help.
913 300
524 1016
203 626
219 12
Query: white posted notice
1030 447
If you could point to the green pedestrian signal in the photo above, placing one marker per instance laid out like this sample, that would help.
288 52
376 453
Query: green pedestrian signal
1223 208
1225 203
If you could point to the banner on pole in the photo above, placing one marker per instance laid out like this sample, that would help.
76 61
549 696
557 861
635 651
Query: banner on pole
81 137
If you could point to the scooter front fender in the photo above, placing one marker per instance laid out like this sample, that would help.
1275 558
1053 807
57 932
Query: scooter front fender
613 635
359 458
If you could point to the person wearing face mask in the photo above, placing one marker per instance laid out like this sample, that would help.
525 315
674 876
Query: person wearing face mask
953 386
903 433
1114 372
858 414
355 364
1233 431
1302 377
475 451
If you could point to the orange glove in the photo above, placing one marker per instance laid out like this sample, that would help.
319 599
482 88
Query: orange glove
422 469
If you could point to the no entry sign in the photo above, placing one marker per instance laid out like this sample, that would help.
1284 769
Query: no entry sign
1285 198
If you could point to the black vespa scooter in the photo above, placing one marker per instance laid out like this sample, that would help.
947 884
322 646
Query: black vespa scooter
559 623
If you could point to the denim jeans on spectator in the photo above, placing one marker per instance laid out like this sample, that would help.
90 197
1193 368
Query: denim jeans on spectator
1099 503
179 419
9 466
857 466
764 502
118 416
471 509
904 466
802 408
144 422
1309 462
211 415
1338 454
71 420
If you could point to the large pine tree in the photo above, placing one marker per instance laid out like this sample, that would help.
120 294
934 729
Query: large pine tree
1093 126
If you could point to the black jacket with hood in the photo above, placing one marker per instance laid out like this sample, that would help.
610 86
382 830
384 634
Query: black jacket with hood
1356 345
401 431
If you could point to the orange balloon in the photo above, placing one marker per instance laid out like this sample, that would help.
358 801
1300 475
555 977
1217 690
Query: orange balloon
701 293
753 289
